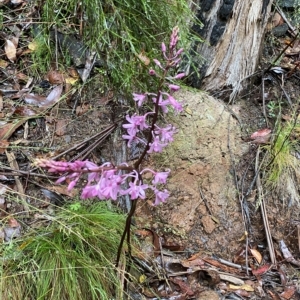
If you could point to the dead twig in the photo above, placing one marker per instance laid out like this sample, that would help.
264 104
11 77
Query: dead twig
263 210
231 264
13 172
286 96
264 99
13 164
84 154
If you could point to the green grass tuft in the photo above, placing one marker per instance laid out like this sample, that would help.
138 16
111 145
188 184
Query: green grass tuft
281 153
70 259
283 165
120 30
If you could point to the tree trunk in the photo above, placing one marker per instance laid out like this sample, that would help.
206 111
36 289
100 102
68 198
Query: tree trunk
233 30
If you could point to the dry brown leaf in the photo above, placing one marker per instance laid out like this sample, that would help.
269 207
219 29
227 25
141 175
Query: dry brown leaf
22 76
15 41
145 59
256 255
55 77
260 133
185 288
143 233
277 20
3 63
71 80
3 2
54 96
3 146
245 287
34 99
60 128
8 129
12 222
19 186
10 50
42 101
25 111
63 190
73 73
232 279
242 293
288 292
23 52
261 270
82 109
33 45
193 263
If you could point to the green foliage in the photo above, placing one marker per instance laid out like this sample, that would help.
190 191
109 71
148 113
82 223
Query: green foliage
42 54
70 259
273 108
292 10
281 154
121 30
1 19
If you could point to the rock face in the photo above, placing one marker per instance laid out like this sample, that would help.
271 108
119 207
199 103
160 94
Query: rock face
203 193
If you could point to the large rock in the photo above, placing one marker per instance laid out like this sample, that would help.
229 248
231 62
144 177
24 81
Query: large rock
203 192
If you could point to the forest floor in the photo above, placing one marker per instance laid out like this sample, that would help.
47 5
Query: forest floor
211 235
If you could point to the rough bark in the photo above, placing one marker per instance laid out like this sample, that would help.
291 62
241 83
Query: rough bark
234 30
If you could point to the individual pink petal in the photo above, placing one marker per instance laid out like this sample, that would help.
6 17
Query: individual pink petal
179 51
174 37
136 191
156 145
157 62
174 87
179 76
72 184
161 177
160 196
139 98
60 180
